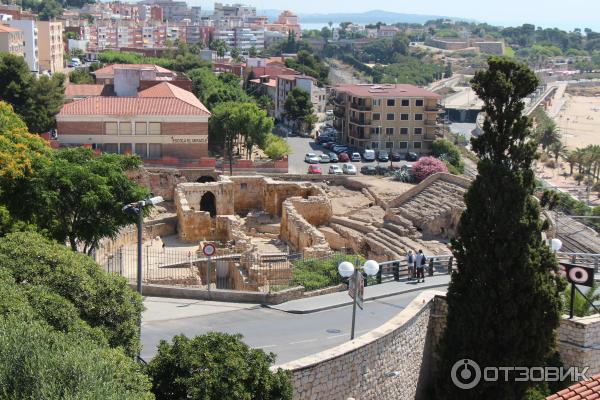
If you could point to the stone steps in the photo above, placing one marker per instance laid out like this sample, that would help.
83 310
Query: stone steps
352 224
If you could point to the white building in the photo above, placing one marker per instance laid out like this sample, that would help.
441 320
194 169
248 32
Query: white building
30 35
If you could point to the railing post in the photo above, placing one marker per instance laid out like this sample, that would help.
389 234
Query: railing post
365 278
396 271
431 266
379 273
450 262
120 261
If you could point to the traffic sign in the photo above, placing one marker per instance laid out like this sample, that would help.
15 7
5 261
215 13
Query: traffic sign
361 289
577 274
209 249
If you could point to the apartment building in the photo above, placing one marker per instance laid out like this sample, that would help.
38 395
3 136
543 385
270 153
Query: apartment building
12 41
286 83
163 122
391 117
30 38
50 46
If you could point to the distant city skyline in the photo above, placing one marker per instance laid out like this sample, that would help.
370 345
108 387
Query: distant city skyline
548 13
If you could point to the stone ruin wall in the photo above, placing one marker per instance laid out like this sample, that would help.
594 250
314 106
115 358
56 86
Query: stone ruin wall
299 224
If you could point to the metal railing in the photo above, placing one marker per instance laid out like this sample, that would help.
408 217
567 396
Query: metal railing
399 269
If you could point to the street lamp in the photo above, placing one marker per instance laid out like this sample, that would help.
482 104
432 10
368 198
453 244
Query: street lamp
556 244
137 209
347 270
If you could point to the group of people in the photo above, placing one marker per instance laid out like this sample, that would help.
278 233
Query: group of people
416 265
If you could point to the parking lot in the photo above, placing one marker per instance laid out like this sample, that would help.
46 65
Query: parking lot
300 146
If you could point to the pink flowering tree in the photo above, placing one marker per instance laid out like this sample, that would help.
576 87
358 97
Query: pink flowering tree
427 166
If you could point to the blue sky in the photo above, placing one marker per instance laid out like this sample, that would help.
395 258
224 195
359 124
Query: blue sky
566 14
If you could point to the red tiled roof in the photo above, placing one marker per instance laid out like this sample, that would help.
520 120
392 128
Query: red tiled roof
110 69
166 89
131 106
586 390
273 71
386 90
294 77
84 90
4 28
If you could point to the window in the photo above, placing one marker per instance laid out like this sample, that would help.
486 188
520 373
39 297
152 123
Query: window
404 145
376 102
141 128
141 149
375 131
389 131
418 117
404 131
110 128
243 186
418 131
390 116
154 128
125 128
391 102
154 151
374 145
110 148
376 116
419 103
403 117
416 145
125 148
405 102
389 145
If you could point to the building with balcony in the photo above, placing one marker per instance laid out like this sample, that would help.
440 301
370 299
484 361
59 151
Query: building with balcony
50 46
30 38
399 117
12 41
286 83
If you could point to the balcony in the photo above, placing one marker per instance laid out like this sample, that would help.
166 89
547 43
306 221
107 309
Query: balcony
339 112
431 123
360 121
360 107
437 109
341 102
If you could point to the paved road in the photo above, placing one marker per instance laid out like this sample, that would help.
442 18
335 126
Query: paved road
290 336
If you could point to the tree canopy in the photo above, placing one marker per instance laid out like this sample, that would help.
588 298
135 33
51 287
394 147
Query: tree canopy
503 302
215 366
299 108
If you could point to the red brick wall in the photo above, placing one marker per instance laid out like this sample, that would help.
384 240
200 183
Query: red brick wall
184 128
80 128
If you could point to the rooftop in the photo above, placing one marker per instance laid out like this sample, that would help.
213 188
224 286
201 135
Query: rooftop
386 90
83 90
586 390
109 70
294 77
4 28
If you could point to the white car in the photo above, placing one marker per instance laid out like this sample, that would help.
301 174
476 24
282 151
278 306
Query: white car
311 158
329 112
335 170
324 158
349 169
369 155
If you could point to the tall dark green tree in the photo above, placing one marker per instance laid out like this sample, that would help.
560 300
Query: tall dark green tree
503 302
299 108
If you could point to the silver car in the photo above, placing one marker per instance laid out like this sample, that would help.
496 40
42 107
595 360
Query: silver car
311 158
349 169
335 170
324 158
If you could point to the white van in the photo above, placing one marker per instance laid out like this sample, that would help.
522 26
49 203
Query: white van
369 155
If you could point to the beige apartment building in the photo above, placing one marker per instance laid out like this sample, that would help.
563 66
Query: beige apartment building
50 46
398 117
12 41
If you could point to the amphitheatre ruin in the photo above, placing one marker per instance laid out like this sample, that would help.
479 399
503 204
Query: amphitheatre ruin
258 222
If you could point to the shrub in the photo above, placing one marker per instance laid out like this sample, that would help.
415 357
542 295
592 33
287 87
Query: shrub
550 164
276 148
316 274
403 175
427 166
216 366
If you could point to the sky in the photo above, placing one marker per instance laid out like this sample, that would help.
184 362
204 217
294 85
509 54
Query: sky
565 14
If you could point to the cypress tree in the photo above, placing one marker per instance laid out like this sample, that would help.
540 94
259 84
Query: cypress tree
503 302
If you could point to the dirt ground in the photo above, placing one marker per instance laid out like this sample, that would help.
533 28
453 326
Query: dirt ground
579 121
556 178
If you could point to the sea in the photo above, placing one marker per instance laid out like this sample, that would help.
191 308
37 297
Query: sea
316 25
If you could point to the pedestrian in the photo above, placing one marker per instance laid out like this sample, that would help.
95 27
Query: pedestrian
410 262
421 261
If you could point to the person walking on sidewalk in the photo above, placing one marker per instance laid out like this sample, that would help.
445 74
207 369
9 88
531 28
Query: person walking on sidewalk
410 263
421 260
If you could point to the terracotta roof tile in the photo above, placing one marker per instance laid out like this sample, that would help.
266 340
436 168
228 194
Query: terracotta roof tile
131 106
587 390
166 89
109 70
4 28
83 90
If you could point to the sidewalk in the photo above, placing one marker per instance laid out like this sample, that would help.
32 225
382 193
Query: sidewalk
341 299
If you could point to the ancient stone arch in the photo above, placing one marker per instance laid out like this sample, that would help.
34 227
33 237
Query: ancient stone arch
205 179
208 204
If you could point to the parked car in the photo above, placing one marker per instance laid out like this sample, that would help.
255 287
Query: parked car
344 157
329 113
395 156
356 157
335 170
323 139
339 150
349 169
368 170
383 156
333 157
311 158
314 169
328 145
324 158
369 155
410 156
382 170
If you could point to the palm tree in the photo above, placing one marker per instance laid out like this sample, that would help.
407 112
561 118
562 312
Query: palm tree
557 149
571 158
547 135
593 152
580 157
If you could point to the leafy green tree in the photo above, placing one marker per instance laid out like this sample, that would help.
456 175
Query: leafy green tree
276 148
235 54
81 76
504 301
252 52
582 307
215 366
36 362
78 197
220 47
299 108
49 9
69 291
448 152
557 149
448 71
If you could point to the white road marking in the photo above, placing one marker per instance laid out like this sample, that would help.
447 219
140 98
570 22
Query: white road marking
336 336
304 341
265 347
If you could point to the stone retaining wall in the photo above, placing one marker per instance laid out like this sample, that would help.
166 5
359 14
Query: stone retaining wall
579 342
391 362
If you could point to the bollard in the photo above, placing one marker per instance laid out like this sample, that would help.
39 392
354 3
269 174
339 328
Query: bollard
430 267
450 262
396 271
379 273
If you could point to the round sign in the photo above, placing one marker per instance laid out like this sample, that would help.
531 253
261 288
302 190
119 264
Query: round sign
209 249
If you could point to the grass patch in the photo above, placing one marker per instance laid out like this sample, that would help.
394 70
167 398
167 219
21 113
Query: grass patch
316 274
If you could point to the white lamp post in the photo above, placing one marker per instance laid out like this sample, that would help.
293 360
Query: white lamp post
556 244
347 270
